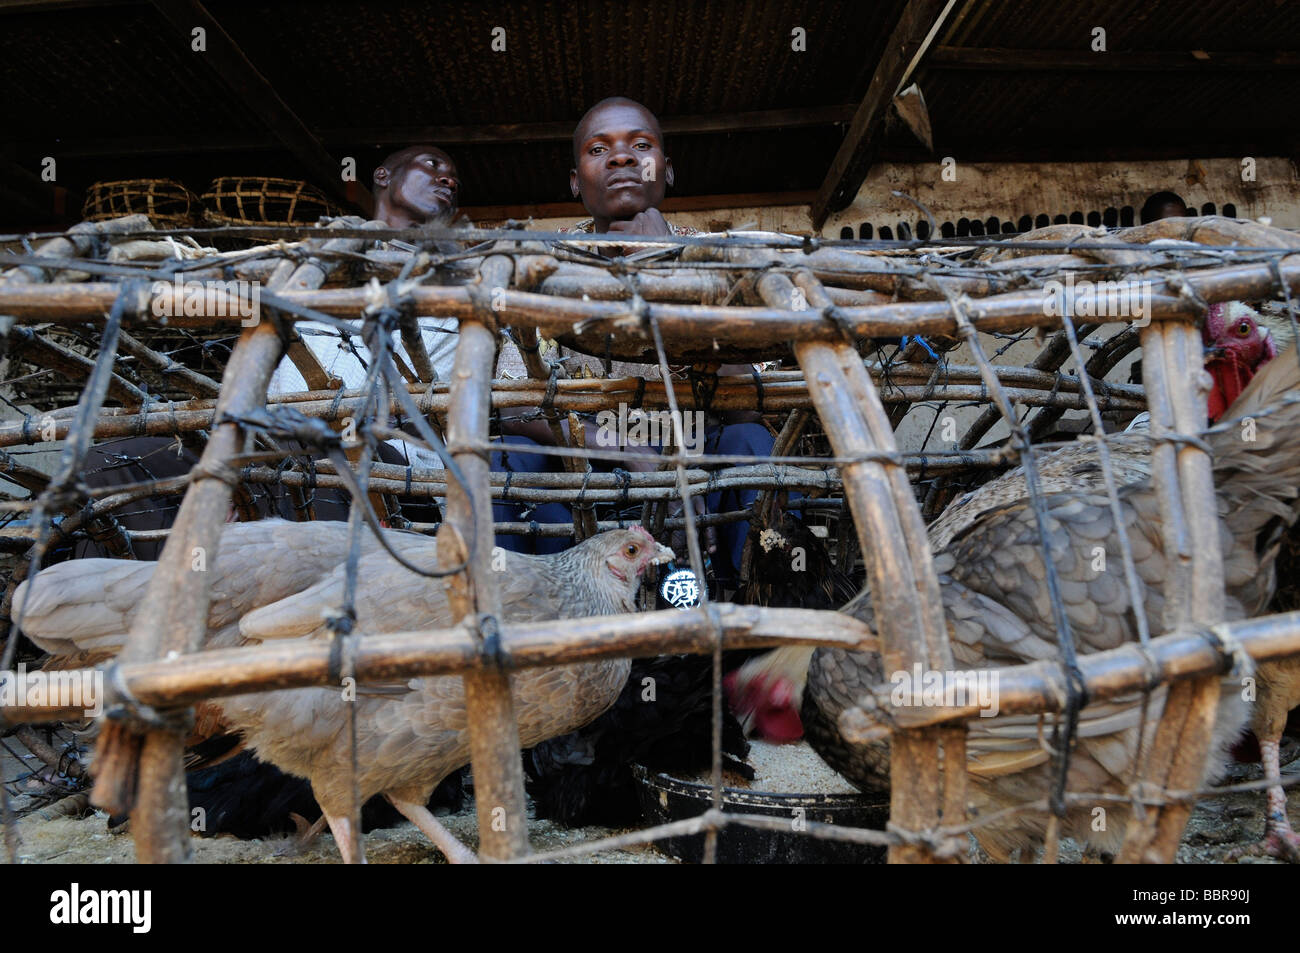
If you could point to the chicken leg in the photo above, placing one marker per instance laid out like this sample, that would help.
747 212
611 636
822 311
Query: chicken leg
1280 840
443 839
349 840
305 835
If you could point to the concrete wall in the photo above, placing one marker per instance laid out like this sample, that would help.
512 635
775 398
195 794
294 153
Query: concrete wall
1014 189
1010 190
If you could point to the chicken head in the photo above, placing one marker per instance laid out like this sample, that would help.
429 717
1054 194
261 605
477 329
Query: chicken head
1237 346
629 553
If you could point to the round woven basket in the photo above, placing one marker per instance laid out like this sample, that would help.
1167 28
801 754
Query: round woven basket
260 200
167 203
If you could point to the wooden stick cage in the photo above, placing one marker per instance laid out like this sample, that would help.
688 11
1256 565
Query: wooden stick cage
257 200
166 203
697 301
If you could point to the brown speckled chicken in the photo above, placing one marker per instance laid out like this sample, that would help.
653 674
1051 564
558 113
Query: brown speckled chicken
1277 693
993 585
410 734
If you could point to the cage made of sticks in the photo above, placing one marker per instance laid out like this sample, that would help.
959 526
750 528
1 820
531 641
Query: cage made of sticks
689 301
166 203
258 200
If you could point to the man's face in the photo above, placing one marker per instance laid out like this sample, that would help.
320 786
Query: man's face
622 169
425 185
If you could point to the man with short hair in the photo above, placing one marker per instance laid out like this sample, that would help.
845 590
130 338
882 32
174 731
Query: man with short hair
1163 205
620 169
418 185
621 173
415 186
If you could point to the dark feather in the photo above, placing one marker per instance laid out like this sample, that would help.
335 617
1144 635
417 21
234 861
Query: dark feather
585 777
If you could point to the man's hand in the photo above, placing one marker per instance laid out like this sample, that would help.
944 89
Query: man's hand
649 222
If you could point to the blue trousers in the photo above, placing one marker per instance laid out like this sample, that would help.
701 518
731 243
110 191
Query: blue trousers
748 440
524 461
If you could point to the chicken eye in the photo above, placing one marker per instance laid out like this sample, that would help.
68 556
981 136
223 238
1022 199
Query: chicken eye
1243 329
630 551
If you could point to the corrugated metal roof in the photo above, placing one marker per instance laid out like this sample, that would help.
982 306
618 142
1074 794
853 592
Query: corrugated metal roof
120 83
1153 25
413 63
114 91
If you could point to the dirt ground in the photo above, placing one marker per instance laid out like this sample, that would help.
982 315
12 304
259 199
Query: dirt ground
45 836
67 840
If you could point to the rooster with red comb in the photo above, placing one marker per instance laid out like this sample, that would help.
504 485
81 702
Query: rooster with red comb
767 692
1237 345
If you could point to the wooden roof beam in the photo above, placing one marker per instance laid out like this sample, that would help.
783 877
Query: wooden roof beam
918 24
1196 61
448 136
60 6
255 92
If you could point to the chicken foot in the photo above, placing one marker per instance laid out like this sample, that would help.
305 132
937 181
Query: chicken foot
443 839
304 835
1280 840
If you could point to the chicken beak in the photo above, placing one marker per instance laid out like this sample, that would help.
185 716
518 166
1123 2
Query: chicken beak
663 554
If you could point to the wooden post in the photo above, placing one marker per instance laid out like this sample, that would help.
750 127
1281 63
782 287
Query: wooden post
904 587
1177 386
493 728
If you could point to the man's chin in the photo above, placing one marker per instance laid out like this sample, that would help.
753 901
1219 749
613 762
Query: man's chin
439 214
624 208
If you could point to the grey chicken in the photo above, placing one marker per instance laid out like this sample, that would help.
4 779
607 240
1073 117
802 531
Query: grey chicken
1073 468
410 734
775 682
993 586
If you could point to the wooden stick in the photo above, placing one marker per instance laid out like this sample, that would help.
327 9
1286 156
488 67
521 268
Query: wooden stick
43 352
493 728
176 618
610 391
1035 687
455 650
905 590
413 341
1184 483
178 599
190 381
743 330
530 343
172 418
19 539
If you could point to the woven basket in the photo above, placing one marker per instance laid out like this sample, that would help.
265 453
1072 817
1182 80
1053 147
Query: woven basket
167 203
259 200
